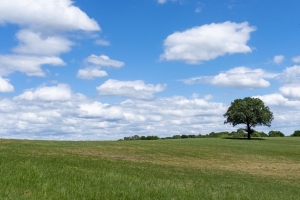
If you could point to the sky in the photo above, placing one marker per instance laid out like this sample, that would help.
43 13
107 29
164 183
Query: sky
108 69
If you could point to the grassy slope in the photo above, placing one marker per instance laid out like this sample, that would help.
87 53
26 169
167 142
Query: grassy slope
164 169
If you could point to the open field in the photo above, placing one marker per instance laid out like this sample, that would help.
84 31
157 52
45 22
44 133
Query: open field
162 169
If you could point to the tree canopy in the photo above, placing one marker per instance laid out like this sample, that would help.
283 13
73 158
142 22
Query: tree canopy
249 111
296 133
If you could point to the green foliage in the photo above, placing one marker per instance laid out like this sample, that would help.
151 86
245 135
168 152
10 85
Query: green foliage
296 133
152 137
256 134
259 134
176 137
276 134
248 111
263 134
219 134
136 137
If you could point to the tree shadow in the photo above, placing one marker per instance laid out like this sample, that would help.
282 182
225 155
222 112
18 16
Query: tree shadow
232 138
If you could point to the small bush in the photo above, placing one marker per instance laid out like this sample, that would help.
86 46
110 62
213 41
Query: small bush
176 137
276 134
259 134
255 134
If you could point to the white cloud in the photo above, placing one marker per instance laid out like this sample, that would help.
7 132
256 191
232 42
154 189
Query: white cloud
40 39
285 111
61 92
30 65
208 97
129 89
290 90
98 109
90 73
273 99
239 77
35 43
76 117
60 15
277 99
102 42
199 7
291 74
208 42
103 61
278 59
97 62
165 1
79 118
5 86
296 59
162 1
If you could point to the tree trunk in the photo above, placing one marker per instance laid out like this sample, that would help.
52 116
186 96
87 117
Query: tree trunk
249 131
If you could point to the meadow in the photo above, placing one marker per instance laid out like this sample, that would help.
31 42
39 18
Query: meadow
201 168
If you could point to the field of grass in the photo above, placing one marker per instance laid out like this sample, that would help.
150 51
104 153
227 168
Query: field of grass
162 169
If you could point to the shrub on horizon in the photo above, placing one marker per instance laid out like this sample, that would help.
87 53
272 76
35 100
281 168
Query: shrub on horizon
276 134
296 133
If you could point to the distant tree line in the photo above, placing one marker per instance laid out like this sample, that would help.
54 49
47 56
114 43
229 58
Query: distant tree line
240 133
136 137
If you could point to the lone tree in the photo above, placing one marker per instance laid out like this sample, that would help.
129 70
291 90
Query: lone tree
248 111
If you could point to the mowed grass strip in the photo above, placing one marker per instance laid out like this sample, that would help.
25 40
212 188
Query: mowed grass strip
163 169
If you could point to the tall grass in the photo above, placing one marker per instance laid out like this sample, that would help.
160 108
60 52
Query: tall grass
163 169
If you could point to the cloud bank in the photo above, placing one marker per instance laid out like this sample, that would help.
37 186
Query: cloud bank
239 77
130 89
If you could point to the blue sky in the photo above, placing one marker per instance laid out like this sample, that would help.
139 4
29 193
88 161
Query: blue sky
102 70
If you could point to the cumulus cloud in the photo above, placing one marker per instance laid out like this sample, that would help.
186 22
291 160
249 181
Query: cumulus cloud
103 61
5 86
102 42
129 89
285 111
30 65
296 59
290 77
207 42
277 99
40 39
79 118
46 15
290 90
61 92
97 62
48 113
90 73
278 59
35 43
239 77
291 74
97 109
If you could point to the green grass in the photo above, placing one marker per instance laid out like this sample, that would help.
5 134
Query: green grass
163 169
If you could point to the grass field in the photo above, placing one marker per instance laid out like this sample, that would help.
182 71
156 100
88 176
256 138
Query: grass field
162 169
